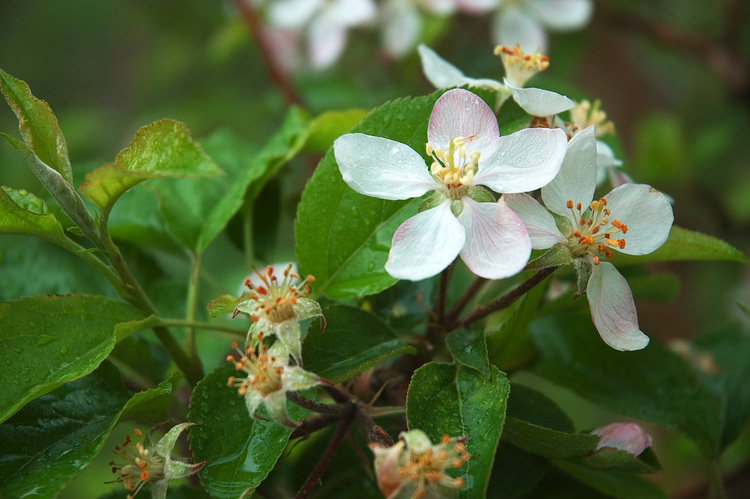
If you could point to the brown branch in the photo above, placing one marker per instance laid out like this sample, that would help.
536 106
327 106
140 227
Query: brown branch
464 300
311 405
279 77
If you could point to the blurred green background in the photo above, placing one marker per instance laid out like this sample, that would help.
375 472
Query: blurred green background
673 75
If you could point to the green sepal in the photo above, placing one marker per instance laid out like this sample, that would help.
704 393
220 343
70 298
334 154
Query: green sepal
480 194
583 273
435 199
556 255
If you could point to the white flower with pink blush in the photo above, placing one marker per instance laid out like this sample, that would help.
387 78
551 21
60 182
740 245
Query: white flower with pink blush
628 437
634 219
461 217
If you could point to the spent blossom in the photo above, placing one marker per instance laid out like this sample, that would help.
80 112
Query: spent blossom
415 467
267 377
628 437
151 465
461 217
634 219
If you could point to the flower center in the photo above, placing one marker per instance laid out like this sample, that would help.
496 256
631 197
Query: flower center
594 234
426 468
584 114
452 167
519 67
276 298
263 375
142 466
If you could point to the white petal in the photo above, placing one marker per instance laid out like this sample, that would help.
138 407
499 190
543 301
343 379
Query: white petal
381 167
440 7
460 113
476 6
425 244
512 27
439 72
497 244
292 13
605 156
349 13
540 224
523 161
577 178
402 24
613 310
326 42
647 213
560 14
538 102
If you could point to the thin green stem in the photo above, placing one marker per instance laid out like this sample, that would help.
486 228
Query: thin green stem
210 326
716 480
191 304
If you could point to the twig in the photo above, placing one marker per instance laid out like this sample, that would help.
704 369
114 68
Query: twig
374 432
464 300
306 403
277 74
445 279
311 425
338 436
507 299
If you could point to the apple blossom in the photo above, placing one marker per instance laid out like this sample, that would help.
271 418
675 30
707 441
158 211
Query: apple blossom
276 306
415 467
468 153
269 377
629 437
152 465
634 219
325 22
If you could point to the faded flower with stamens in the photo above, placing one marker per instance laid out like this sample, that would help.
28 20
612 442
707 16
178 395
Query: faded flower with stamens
414 467
634 219
460 218
276 306
150 465
267 378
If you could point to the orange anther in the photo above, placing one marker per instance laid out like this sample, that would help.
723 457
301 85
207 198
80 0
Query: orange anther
248 283
230 381
613 242
596 229
624 229
238 366
576 233
621 243
234 344
137 432
596 260
142 465
578 206
445 438
230 358
606 211
261 290
254 318
616 223
569 204
608 253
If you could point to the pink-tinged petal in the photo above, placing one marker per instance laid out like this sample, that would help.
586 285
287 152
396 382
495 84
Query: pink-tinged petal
538 102
560 15
292 14
425 244
443 74
629 437
512 27
382 168
402 24
460 113
618 177
350 13
540 224
647 213
523 161
326 42
577 178
497 244
613 309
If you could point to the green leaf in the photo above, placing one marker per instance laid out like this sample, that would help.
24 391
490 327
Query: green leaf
38 125
609 458
342 237
547 442
239 451
23 213
46 341
516 472
652 384
162 149
353 340
617 484
469 347
329 126
458 401
51 439
534 407
686 244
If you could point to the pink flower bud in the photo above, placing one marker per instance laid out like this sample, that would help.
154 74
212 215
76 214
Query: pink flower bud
624 436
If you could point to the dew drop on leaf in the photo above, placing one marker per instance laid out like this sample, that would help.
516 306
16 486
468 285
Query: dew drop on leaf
63 350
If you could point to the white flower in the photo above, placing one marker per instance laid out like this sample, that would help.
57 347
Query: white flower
326 23
269 378
629 437
415 467
634 219
523 22
464 141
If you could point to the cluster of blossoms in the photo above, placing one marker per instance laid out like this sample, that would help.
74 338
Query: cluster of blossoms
151 465
275 307
324 24
415 467
495 238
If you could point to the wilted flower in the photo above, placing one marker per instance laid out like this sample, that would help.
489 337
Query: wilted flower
634 219
624 436
268 377
152 465
468 153
276 306
414 467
